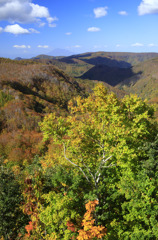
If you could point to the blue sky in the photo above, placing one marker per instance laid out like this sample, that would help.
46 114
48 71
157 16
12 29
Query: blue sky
32 27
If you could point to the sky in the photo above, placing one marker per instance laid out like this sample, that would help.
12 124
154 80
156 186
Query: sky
32 27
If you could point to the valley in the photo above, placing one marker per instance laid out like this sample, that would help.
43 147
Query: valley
135 73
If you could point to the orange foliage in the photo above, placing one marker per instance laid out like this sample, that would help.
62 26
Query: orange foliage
29 228
90 231
20 145
71 226
30 205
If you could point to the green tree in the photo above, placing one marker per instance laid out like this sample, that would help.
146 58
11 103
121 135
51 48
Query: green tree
140 208
11 217
100 132
102 138
63 202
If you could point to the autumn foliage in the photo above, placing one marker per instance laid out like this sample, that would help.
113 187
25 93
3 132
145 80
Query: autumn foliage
62 147
90 231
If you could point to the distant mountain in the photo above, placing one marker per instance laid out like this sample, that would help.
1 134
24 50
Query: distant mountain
117 59
109 67
44 56
130 72
98 58
18 58
40 87
120 72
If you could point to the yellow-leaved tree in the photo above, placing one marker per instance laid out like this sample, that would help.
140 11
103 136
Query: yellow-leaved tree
100 133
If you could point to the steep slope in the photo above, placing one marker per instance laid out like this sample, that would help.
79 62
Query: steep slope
145 80
29 90
44 82
110 75
144 83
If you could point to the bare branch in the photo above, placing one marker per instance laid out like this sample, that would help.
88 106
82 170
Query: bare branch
90 172
97 180
74 163
111 165
103 161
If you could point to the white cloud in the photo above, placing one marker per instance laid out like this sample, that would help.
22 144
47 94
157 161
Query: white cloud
32 30
152 45
93 29
50 20
100 12
1 29
43 46
21 46
123 13
37 11
16 29
52 25
118 45
96 46
77 46
101 47
137 45
23 11
148 7
42 24
68 33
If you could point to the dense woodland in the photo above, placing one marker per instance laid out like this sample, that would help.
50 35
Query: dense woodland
78 151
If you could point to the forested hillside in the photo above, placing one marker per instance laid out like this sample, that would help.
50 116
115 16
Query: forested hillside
28 92
130 72
144 83
78 157
78 65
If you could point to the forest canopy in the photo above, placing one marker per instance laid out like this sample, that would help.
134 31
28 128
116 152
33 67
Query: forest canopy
104 141
95 176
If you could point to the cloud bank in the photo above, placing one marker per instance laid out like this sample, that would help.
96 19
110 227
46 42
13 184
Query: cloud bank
148 7
24 11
